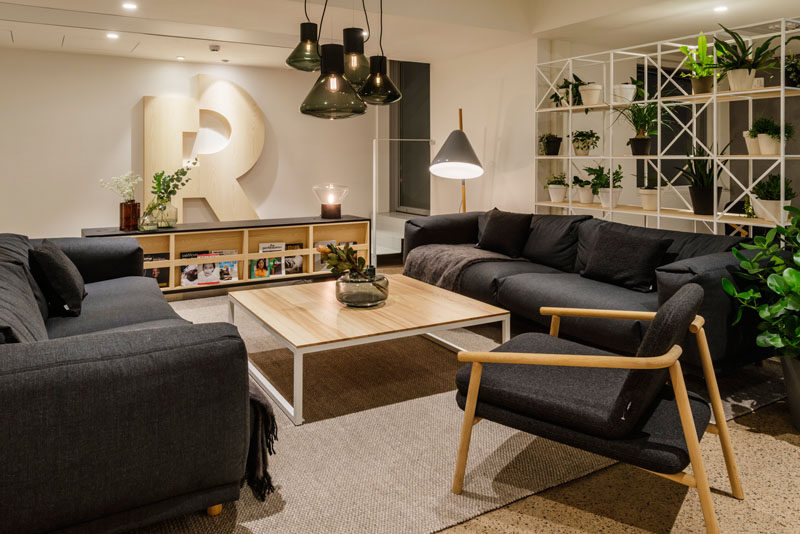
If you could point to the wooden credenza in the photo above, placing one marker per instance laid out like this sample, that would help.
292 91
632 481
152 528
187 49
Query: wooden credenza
244 237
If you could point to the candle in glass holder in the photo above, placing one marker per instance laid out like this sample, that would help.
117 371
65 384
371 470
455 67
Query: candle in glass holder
331 195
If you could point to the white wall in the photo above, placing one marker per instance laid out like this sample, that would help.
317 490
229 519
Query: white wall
67 120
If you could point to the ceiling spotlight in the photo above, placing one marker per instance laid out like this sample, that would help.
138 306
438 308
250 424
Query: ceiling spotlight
180 58
112 35
130 6
721 9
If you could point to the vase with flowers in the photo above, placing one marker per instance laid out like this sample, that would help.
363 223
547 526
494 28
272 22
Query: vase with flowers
125 186
160 213
358 286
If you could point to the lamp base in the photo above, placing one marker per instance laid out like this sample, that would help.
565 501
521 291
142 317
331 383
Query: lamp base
331 211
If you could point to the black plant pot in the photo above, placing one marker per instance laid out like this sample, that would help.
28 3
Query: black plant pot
552 147
640 146
703 200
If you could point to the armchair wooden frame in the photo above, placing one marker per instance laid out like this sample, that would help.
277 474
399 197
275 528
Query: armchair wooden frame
698 478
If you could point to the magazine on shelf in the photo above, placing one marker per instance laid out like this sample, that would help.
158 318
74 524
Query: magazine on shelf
161 274
156 256
190 273
228 270
268 267
293 264
320 265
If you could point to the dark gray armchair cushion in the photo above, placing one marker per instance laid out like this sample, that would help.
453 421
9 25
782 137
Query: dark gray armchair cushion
15 248
59 278
20 318
553 240
505 232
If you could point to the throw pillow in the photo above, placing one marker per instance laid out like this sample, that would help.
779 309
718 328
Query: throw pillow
20 320
553 240
58 277
626 260
505 232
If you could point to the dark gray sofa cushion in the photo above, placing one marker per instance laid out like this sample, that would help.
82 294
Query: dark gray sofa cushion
553 240
101 258
684 244
15 248
504 232
524 294
479 280
626 260
20 318
59 278
112 304
452 229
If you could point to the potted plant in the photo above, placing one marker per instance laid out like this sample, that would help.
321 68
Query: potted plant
792 69
550 144
584 188
625 93
591 93
768 134
699 172
769 285
701 66
751 140
767 201
160 213
568 92
739 62
583 141
648 195
557 187
358 286
125 186
606 184
644 120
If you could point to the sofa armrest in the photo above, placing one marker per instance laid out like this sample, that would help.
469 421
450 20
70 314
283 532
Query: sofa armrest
102 258
101 423
450 229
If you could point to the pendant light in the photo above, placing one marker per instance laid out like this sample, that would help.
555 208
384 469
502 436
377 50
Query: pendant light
356 67
378 88
305 55
332 96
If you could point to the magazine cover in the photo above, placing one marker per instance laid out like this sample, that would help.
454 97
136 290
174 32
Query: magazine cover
208 271
268 267
156 256
228 270
190 273
161 274
293 264
319 265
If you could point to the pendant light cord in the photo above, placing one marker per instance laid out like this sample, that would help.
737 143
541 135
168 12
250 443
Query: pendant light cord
366 17
380 37
305 8
319 37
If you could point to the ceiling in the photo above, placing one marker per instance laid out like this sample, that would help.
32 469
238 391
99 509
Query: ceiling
261 32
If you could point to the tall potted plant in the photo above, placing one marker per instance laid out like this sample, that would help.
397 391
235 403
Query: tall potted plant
643 117
606 184
699 172
125 186
160 213
701 66
584 141
767 201
769 285
740 62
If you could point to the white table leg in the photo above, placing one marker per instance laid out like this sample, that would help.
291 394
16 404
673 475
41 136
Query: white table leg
506 323
230 310
297 391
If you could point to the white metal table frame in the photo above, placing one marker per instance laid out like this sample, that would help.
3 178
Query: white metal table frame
295 413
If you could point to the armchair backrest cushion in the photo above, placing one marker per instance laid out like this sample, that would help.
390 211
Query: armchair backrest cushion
20 318
553 240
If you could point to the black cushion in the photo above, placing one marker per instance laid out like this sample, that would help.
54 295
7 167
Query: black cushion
58 277
504 232
20 319
553 240
110 304
15 248
626 260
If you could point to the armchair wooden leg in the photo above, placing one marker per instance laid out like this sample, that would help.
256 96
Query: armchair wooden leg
692 443
214 510
719 415
466 426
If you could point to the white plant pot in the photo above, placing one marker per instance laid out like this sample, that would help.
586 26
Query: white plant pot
752 144
579 149
609 197
624 93
649 199
591 93
765 208
585 195
768 146
557 192
741 79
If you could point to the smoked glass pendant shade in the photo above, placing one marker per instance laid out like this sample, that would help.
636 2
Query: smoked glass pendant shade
378 89
305 55
332 96
356 66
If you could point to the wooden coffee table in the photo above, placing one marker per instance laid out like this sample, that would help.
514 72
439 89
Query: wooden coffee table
308 318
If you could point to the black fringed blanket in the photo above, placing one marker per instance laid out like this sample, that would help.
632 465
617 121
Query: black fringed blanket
263 433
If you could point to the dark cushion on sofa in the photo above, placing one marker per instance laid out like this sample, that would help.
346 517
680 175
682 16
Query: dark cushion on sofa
504 232
59 278
15 248
20 318
479 280
553 240
684 244
626 260
112 304
524 294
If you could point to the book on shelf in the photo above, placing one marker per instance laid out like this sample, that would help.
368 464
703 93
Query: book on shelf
268 266
293 264
161 274
191 273
156 256
320 265
228 270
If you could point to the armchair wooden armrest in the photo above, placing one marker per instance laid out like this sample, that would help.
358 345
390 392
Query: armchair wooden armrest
575 360
557 313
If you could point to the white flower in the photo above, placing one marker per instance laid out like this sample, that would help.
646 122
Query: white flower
123 185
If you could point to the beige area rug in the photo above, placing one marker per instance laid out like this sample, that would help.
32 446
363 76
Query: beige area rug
379 452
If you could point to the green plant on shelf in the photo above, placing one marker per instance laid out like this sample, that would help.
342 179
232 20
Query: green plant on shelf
570 88
557 179
765 125
699 168
793 70
698 60
585 139
603 179
740 55
769 188
578 182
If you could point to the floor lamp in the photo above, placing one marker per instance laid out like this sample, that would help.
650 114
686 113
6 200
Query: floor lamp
457 160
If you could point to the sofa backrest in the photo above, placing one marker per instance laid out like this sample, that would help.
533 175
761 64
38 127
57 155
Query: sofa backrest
20 318
553 240
684 244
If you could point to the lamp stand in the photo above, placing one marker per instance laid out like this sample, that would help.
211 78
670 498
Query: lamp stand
463 182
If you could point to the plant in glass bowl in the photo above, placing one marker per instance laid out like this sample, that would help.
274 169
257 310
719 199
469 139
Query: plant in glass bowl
125 186
583 141
160 213
557 187
768 134
607 185
740 61
767 202
584 187
700 64
768 286
358 286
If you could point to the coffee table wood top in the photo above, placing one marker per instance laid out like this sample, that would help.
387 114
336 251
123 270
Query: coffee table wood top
306 315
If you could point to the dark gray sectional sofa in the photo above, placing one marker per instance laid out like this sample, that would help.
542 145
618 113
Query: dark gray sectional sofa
556 251
123 416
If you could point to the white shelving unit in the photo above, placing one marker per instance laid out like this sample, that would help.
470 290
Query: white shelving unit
662 59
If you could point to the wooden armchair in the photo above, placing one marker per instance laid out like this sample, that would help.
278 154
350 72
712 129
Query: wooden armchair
616 406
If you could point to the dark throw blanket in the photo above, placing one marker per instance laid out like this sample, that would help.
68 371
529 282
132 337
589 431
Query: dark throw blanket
263 433
443 265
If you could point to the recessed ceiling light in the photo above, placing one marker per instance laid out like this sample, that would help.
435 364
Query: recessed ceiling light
721 9
180 58
112 35
130 6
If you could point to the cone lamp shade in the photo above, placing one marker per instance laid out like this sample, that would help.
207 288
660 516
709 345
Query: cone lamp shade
457 159
378 89
305 56
332 96
356 65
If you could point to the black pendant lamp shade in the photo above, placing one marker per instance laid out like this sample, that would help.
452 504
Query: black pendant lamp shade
305 55
332 96
356 66
378 89
457 159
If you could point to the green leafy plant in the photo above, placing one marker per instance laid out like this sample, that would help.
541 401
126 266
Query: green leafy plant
557 179
699 169
738 55
577 182
585 139
793 70
769 188
571 87
344 259
765 125
770 286
545 138
643 118
165 186
602 178
698 60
